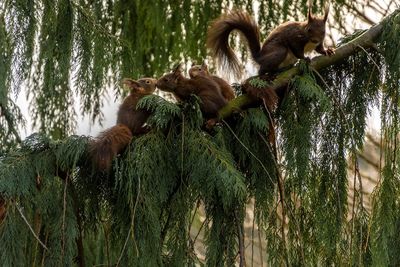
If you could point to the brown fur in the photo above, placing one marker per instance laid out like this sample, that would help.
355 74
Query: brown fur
202 70
283 46
206 89
268 96
128 114
109 144
130 122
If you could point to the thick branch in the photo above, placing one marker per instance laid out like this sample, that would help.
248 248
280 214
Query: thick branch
365 40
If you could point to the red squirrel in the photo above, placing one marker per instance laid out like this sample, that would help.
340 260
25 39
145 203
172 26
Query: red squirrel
202 70
283 46
130 122
204 87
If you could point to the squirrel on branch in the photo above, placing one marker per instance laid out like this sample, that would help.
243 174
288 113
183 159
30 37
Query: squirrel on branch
202 70
130 122
203 86
283 46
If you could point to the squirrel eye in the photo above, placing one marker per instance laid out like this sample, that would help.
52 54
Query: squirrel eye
148 82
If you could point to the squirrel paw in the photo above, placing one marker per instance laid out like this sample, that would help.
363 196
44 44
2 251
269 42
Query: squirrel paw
211 123
330 51
236 110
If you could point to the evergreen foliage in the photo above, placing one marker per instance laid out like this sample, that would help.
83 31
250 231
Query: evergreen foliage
59 211
50 47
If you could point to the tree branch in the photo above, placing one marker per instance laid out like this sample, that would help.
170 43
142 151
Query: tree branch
365 40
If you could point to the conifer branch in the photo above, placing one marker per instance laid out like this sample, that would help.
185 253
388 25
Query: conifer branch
365 40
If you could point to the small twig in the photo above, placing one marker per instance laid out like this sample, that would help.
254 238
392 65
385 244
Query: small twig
63 218
296 223
182 143
163 233
194 215
131 229
30 227
133 219
96 25
252 233
37 226
242 261
79 240
261 247
361 201
360 14
123 249
346 125
354 202
369 56
290 211
280 182
44 252
107 244
201 227
378 184
248 150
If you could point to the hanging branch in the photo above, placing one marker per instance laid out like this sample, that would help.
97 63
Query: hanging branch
239 224
30 227
365 40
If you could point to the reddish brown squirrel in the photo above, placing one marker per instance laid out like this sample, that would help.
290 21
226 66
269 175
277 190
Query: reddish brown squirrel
283 46
202 70
130 122
204 87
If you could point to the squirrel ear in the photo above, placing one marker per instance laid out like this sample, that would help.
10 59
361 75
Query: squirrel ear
310 16
132 84
326 11
204 66
177 69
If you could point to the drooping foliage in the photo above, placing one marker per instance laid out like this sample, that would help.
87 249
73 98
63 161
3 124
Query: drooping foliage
385 216
147 203
59 211
62 51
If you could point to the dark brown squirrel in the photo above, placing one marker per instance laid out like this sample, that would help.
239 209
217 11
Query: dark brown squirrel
130 122
202 70
205 88
283 46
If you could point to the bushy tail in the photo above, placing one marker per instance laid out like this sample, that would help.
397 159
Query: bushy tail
218 38
107 145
